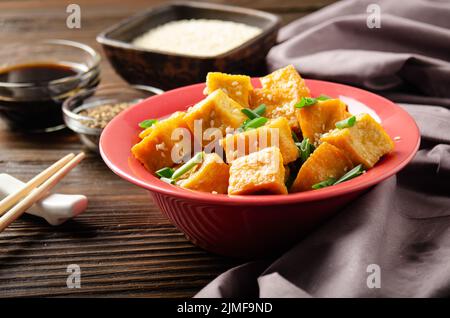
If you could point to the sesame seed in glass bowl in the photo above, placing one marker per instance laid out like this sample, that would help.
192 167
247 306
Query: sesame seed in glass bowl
88 112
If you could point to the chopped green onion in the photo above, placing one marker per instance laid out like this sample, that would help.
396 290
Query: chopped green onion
147 123
306 149
324 184
306 101
255 113
294 136
242 127
260 110
188 165
165 172
249 113
255 123
254 117
167 180
346 123
356 171
323 97
309 101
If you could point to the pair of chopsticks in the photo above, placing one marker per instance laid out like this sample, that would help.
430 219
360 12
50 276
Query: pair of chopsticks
15 204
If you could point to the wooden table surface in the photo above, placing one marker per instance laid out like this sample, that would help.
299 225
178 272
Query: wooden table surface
122 243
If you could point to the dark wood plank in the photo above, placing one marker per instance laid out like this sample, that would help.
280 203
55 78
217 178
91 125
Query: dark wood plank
122 243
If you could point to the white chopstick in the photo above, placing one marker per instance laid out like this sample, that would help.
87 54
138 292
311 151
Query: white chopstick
13 198
36 194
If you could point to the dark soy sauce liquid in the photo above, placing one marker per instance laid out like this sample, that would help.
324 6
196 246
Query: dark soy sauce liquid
33 109
36 73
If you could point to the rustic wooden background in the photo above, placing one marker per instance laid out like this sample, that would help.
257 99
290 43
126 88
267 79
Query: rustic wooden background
122 243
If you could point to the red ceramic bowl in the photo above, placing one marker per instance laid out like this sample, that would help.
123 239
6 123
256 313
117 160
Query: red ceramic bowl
250 226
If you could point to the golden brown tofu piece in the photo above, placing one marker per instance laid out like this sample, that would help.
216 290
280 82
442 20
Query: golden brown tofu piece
275 133
154 151
211 176
364 143
321 117
280 91
286 81
175 115
260 172
145 132
215 111
275 105
237 87
326 162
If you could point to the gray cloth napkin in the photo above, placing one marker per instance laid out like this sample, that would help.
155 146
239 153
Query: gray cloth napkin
407 58
394 241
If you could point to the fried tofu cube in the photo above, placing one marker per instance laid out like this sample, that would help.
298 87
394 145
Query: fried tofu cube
275 133
286 143
145 132
211 176
276 105
364 143
260 172
286 81
281 90
154 151
326 162
215 111
237 87
321 117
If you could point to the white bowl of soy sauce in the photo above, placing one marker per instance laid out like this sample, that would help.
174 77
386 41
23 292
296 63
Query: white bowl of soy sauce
36 78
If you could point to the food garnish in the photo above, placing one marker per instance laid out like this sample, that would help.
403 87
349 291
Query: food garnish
309 101
260 110
324 184
255 123
356 171
191 163
346 123
147 123
306 149
255 118
165 172
250 113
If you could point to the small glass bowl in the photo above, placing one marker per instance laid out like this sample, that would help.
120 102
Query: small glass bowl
104 95
36 106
